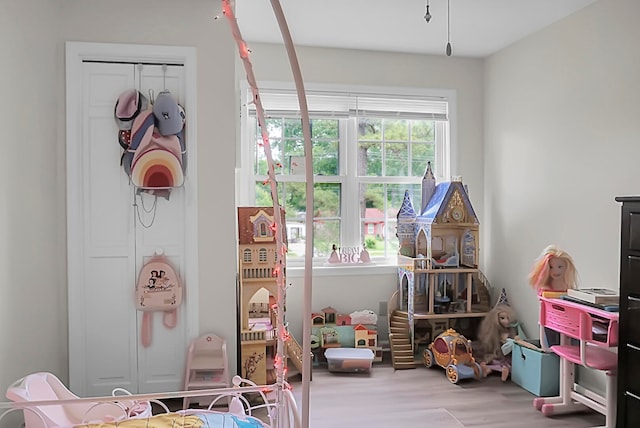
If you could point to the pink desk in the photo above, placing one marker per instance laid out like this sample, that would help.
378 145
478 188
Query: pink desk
596 334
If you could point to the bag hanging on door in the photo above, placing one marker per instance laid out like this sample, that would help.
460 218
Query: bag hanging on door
158 289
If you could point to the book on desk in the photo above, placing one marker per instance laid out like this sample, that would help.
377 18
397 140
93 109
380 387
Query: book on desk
595 295
600 298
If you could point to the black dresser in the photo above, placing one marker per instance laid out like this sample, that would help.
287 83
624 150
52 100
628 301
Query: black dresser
628 396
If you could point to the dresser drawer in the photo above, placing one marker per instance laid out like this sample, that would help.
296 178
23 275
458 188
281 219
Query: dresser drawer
631 378
631 317
634 231
631 415
632 283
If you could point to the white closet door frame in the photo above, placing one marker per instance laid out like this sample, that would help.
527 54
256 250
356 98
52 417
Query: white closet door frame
76 54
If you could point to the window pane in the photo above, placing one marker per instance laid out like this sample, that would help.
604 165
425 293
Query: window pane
370 159
369 129
293 128
422 130
396 130
396 157
391 243
421 153
327 212
395 195
325 158
326 233
325 136
378 215
373 218
275 131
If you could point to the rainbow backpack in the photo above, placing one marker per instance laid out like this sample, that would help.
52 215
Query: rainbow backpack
158 289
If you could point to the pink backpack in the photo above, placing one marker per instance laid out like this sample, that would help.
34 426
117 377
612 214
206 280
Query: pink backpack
158 288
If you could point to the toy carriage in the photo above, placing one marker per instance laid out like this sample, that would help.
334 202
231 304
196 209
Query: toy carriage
452 351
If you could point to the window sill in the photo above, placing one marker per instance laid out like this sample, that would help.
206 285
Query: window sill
347 270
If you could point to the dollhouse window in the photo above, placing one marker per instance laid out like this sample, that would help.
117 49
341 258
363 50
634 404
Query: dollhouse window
246 255
262 255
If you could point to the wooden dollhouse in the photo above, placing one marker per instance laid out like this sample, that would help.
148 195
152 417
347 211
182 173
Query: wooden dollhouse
257 292
438 276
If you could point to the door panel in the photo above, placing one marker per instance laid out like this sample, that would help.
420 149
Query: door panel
104 326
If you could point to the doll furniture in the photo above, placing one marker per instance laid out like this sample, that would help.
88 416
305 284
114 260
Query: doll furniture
594 333
207 365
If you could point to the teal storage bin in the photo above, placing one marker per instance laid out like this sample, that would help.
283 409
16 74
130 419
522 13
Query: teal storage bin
537 372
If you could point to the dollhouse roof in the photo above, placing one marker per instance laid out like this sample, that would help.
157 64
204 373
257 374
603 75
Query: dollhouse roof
440 198
247 217
406 209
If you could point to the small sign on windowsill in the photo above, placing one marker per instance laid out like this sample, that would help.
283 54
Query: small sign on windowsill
349 256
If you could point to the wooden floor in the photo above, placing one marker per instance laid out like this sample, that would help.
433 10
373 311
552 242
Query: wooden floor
403 396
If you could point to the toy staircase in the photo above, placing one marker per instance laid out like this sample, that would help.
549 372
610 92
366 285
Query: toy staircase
294 352
400 341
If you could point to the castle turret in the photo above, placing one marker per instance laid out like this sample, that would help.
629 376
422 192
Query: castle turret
405 226
428 187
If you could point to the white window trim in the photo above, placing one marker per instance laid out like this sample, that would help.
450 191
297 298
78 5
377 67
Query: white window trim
245 188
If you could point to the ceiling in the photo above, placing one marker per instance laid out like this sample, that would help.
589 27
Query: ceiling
478 28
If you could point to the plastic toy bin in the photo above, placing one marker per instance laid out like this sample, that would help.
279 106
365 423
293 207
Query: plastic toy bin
537 372
350 360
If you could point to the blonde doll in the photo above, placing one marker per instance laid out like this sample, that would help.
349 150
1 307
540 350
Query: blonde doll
499 325
553 270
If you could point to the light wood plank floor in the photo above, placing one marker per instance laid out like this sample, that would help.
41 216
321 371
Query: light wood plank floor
370 400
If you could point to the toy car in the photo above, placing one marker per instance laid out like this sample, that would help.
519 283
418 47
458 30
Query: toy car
452 351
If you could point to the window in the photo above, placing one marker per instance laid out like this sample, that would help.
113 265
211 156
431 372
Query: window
247 255
368 148
262 255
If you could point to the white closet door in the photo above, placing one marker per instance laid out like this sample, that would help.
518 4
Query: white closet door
104 327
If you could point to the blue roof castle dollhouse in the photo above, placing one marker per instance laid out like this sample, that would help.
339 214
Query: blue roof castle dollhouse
438 273
444 231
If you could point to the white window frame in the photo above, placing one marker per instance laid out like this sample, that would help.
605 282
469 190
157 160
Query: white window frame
446 158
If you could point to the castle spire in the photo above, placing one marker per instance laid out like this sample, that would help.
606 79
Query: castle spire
428 186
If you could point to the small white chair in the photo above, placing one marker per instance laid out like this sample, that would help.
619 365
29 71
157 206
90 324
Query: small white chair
207 365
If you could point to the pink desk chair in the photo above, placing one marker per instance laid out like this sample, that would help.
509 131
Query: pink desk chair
595 332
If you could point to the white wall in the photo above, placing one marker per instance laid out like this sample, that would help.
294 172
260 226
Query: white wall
32 221
33 308
561 142
366 289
